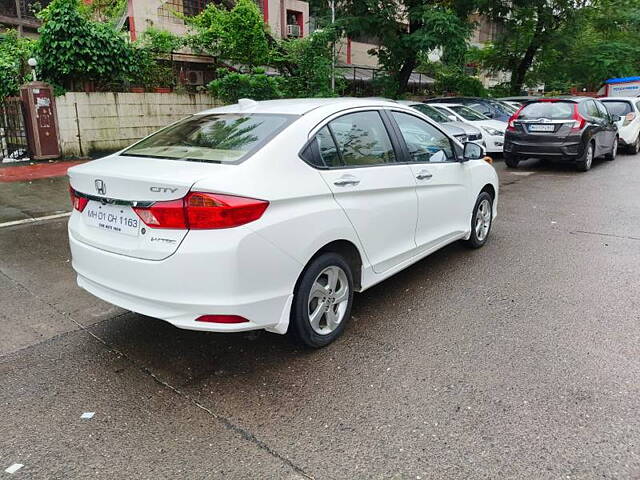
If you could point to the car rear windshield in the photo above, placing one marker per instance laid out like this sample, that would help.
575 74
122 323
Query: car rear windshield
468 113
617 107
550 110
215 138
431 112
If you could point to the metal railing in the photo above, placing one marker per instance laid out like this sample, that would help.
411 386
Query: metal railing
13 134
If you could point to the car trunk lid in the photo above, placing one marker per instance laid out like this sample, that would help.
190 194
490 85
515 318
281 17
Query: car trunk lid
114 185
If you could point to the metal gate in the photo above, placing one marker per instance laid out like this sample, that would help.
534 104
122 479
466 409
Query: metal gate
13 134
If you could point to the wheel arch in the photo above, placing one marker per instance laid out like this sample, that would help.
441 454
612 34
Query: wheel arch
490 189
346 249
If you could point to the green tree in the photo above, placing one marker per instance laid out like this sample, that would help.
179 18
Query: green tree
309 64
74 48
14 52
237 35
529 27
407 30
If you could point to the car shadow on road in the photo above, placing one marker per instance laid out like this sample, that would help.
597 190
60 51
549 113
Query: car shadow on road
538 165
184 357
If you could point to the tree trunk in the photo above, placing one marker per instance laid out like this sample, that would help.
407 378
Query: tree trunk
405 72
519 73
517 76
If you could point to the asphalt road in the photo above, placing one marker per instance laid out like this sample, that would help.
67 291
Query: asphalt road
519 360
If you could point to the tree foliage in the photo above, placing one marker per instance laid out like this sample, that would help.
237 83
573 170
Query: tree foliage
14 52
237 35
406 30
74 48
563 43
239 38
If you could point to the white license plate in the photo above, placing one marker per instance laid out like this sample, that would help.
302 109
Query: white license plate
541 128
113 218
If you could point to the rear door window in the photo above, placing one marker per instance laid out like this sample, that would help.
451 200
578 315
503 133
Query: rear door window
601 110
549 110
362 139
327 148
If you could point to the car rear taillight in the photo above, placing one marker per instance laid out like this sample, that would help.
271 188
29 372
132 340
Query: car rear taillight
511 125
77 201
221 319
169 214
202 211
578 120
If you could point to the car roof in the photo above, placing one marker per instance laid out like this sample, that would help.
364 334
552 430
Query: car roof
298 106
447 104
457 99
626 99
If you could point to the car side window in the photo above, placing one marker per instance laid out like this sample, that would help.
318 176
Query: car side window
592 109
362 139
327 148
424 141
603 111
483 109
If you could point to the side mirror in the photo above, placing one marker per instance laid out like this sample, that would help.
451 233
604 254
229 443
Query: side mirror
453 118
473 151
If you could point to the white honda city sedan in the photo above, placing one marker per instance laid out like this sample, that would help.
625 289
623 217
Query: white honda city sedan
270 215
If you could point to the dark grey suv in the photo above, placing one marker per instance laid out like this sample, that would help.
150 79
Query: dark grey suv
572 129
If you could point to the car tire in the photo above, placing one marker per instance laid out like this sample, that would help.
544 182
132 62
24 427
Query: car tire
614 151
585 162
634 148
317 315
511 161
481 221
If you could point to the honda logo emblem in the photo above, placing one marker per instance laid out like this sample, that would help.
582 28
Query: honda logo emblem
101 188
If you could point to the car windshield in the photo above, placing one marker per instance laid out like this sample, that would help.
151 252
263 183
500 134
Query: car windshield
617 107
550 110
467 113
215 138
431 112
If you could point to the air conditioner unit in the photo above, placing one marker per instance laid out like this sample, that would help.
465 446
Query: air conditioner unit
294 31
194 77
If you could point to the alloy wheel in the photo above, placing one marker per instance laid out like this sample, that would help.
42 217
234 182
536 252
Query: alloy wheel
588 160
483 220
328 300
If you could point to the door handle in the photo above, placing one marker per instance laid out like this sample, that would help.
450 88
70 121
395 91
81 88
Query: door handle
423 175
346 180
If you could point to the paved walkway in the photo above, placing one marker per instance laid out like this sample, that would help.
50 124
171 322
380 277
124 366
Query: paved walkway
34 171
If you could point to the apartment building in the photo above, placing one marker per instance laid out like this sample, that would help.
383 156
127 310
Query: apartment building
286 18
20 15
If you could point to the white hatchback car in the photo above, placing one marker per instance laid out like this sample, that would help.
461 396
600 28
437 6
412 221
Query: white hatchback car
628 109
492 130
270 215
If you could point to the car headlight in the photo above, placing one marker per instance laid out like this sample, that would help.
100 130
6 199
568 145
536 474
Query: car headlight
492 131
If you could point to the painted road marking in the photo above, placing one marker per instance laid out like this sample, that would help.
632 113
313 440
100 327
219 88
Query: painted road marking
33 220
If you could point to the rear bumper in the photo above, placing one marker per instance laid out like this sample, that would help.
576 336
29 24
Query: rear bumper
569 150
224 272
628 135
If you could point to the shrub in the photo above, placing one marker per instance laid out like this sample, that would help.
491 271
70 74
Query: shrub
14 52
231 86
74 48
